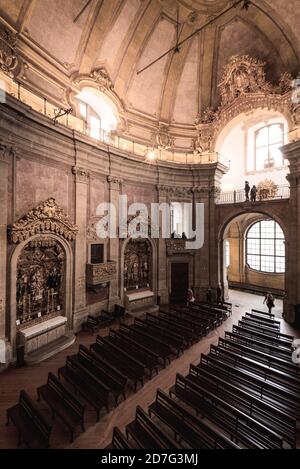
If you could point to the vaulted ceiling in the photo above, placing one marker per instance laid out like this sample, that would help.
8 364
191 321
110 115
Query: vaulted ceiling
125 35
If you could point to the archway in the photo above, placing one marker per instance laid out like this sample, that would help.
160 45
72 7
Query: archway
254 263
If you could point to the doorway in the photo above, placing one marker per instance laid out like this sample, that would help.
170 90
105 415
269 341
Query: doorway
179 281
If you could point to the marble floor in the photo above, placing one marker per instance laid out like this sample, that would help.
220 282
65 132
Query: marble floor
98 435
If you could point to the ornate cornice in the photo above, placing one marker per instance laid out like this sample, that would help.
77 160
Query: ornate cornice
48 217
99 76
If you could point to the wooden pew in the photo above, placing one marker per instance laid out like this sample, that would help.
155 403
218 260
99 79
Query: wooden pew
62 403
260 356
119 441
283 422
87 388
115 386
272 350
270 392
182 319
268 328
122 361
259 369
262 319
149 360
33 429
91 324
205 322
147 434
195 432
153 343
241 427
263 313
258 323
263 337
188 334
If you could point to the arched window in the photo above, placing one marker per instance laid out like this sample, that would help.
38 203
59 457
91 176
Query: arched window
265 247
267 143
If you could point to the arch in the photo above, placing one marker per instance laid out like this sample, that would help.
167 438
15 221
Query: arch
13 282
225 224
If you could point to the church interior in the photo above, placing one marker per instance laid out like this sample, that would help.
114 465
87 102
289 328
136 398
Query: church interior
149 224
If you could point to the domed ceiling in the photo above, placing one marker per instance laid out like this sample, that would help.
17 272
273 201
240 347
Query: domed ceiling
121 37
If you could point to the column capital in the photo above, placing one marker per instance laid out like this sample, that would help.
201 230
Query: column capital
114 182
81 174
6 153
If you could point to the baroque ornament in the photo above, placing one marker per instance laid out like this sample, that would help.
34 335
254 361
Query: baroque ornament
48 217
267 189
244 88
8 58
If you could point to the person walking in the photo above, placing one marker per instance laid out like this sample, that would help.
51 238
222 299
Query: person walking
247 190
269 300
253 194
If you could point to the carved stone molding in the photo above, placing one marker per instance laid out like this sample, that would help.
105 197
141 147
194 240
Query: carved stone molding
114 182
8 58
81 174
175 191
100 76
162 138
48 217
91 232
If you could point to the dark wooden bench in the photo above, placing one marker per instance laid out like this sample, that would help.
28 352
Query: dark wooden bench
262 319
122 361
195 432
175 344
263 337
33 429
241 427
260 356
152 343
119 441
247 340
116 386
62 403
282 421
205 322
84 385
147 434
275 326
196 327
269 374
263 313
270 392
149 360
91 324
187 333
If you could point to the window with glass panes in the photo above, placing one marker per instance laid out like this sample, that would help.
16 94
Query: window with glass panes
266 247
268 141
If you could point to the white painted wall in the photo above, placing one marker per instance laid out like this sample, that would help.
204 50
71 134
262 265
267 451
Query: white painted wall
236 141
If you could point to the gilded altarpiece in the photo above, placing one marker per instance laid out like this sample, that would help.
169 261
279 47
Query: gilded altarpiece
40 280
137 265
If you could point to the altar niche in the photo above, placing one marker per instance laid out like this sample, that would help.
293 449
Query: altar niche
137 265
40 286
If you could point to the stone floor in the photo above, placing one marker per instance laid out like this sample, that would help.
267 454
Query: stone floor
99 435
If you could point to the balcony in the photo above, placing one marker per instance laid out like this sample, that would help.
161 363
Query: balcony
238 196
177 246
97 274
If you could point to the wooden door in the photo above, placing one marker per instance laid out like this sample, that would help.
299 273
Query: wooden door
179 281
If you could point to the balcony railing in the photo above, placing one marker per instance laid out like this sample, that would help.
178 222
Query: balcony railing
238 196
41 105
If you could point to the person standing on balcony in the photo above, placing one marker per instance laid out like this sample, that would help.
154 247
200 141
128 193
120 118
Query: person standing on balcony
253 194
247 190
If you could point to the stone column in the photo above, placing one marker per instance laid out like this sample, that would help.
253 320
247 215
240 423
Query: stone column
80 259
162 285
292 281
114 244
5 157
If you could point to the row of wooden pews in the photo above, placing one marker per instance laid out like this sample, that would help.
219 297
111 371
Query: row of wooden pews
101 375
243 394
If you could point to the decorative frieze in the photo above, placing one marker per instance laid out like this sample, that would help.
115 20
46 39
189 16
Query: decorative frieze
48 217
